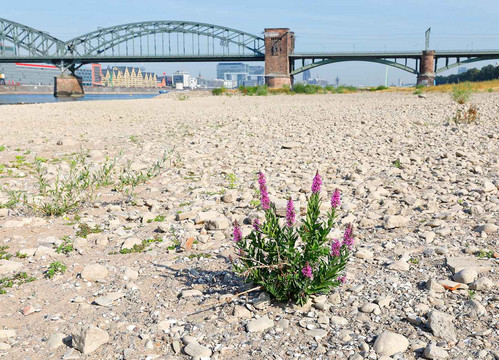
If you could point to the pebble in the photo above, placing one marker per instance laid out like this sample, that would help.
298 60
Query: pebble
441 325
94 272
465 276
434 352
260 324
89 338
389 343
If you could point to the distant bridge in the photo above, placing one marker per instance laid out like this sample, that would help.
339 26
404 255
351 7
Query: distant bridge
185 41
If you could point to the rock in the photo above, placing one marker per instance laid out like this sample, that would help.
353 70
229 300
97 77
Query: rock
483 283
9 267
230 196
338 320
389 343
465 276
241 312
108 299
395 221
4 346
56 340
219 223
290 145
487 228
456 264
433 285
474 309
197 351
429 236
5 334
30 309
94 272
187 243
89 338
131 274
130 243
202 217
317 334
190 293
399 265
259 325
371 308
434 352
488 187
441 325
364 254
262 301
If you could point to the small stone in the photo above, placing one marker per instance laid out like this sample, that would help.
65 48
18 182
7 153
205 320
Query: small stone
483 283
8 267
338 320
371 308
317 334
5 334
434 352
396 221
487 228
475 309
89 338
399 265
4 346
230 196
290 145
197 351
186 244
108 299
56 340
190 293
389 343
456 264
94 272
219 223
241 312
441 325
488 186
259 325
130 243
131 274
262 302
465 276
364 254
30 309
176 346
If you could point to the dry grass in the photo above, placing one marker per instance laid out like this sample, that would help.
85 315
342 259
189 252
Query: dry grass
475 86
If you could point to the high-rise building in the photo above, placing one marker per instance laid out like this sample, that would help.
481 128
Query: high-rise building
306 76
237 74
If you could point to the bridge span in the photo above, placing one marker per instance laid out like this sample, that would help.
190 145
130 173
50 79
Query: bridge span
185 41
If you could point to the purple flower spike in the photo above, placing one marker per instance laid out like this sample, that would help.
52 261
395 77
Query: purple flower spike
316 184
264 201
307 271
342 279
335 248
336 199
348 237
256 224
290 213
238 234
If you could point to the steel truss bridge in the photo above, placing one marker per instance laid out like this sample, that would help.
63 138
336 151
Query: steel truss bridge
185 41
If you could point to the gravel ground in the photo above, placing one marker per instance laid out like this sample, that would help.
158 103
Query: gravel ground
423 196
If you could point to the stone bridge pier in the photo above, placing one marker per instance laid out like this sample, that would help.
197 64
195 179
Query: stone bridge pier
68 85
279 44
426 75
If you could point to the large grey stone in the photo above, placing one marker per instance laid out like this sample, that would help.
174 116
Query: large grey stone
197 351
89 338
441 325
458 263
260 324
389 343
465 276
434 352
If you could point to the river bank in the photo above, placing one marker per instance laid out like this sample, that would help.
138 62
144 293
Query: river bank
49 89
148 269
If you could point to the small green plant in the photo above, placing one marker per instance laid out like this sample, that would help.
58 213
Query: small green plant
485 254
218 91
2 148
4 255
138 248
56 267
294 262
134 139
17 280
183 97
21 255
490 90
462 92
471 294
413 261
466 116
65 247
159 218
397 164
232 178
85 229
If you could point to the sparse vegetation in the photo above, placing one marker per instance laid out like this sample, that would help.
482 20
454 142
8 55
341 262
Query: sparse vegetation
485 254
16 280
4 255
461 93
232 178
141 247
65 247
54 268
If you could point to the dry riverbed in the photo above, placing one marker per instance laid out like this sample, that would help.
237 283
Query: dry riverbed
423 196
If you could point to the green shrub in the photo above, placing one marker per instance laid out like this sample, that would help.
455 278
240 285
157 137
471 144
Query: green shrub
218 91
56 267
293 262
461 93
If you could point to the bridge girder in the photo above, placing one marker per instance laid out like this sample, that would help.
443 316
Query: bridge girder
35 42
336 60
99 41
467 61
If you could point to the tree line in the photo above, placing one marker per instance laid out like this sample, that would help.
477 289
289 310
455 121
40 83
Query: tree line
489 72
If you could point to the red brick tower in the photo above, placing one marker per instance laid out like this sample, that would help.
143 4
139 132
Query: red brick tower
279 43
426 74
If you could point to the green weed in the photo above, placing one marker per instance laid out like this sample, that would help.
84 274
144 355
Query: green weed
56 267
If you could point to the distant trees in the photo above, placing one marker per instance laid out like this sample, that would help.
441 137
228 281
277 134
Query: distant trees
489 72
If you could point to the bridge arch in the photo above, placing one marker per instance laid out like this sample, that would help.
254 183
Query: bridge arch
33 41
467 61
337 60
131 39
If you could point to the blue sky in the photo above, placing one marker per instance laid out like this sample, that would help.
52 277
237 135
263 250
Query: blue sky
319 25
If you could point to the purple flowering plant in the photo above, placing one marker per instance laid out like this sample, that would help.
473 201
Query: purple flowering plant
290 261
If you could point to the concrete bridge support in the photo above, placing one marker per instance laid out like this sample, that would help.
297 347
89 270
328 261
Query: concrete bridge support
68 85
279 44
426 74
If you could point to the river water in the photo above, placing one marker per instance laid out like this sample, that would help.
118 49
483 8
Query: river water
38 99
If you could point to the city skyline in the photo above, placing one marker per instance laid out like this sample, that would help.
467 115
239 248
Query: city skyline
325 26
